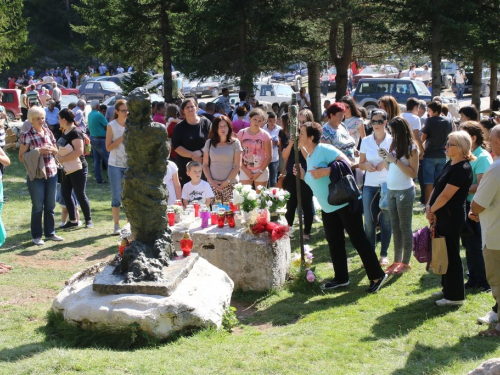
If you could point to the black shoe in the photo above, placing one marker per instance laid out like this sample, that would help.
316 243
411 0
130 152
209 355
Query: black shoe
484 289
68 225
469 285
334 284
89 224
102 182
375 286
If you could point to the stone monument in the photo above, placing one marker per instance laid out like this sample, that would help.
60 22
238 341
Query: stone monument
147 286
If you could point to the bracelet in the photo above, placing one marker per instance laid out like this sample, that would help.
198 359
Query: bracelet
228 180
260 170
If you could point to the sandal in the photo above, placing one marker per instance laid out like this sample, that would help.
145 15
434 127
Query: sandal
401 268
391 268
3 265
490 333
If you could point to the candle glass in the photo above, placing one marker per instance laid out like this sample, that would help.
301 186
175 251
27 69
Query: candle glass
213 218
178 202
230 218
171 217
196 206
221 218
205 218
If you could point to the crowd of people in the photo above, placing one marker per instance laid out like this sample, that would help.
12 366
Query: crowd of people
212 149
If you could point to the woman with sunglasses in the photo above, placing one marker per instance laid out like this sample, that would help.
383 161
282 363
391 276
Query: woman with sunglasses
376 175
446 210
402 162
117 163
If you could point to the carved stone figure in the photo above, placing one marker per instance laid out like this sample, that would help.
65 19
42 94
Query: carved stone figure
145 196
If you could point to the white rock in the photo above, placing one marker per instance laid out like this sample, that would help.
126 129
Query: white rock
490 367
200 300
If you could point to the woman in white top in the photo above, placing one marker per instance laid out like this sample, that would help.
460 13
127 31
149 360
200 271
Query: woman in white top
426 75
171 179
402 161
117 163
375 178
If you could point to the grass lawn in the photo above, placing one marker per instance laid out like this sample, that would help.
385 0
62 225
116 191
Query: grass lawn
400 330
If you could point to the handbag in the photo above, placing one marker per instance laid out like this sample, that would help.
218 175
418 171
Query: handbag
61 173
343 191
439 261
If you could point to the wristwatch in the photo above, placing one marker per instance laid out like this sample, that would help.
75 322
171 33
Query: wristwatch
228 180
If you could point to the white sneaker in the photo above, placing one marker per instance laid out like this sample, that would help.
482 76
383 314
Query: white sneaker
117 230
438 294
447 302
316 219
38 241
490 317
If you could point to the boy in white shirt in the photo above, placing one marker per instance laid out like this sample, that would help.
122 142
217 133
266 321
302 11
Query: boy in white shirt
196 189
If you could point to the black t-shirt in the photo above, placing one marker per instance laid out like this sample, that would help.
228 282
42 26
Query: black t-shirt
291 161
284 139
208 116
74 133
437 130
192 138
460 175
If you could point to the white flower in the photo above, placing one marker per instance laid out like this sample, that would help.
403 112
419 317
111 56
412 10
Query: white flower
246 189
238 186
269 203
281 198
238 199
252 195
261 188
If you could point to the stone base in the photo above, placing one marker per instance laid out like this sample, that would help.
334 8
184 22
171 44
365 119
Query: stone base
490 367
108 283
199 300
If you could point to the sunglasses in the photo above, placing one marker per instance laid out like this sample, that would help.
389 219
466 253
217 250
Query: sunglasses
450 145
377 122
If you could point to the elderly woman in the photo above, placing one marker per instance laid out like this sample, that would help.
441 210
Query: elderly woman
117 162
335 133
222 159
189 138
336 219
472 241
70 154
39 140
446 210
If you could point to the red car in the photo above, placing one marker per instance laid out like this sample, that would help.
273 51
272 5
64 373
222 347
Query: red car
11 100
63 89
375 71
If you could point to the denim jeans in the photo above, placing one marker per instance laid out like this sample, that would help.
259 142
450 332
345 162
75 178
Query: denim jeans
324 87
432 168
401 212
43 202
115 175
371 212
273 173
460 90
99 153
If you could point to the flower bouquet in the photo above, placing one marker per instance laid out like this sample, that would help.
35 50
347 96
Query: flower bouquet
272 199
303 275
178 211
245 197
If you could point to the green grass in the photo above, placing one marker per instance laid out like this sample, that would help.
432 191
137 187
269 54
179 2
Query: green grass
400 330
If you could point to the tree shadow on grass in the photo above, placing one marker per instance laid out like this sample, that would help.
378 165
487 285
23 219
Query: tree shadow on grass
404 319
433 360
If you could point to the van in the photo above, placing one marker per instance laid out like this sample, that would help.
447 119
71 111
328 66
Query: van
11 100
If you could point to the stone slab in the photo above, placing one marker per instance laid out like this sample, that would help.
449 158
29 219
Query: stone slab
253 262
200 300
108 283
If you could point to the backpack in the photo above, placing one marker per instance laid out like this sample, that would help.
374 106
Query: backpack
422 249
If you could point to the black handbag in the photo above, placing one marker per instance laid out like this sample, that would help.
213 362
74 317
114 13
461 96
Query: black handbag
61 173
343 191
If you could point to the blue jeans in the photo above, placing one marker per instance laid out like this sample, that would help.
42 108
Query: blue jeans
460 90
43 202
432 168
273 173
115 175
324 87
99 153
371 212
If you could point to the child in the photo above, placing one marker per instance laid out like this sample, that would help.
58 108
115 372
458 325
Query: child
171 179
196 189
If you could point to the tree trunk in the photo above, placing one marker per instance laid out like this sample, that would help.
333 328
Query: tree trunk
246 77
493 82
341 62
166 54
314 89
436 52
477 65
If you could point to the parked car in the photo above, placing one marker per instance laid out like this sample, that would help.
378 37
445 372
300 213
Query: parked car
101 90
154 98
377 71
295 75
370 90
446 79
48 86
332 75
212 86
485 82
11 100
233 99
273 92
117 78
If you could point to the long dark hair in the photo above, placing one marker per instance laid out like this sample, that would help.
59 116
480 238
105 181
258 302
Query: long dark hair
349 100
213 135
67 114
402 137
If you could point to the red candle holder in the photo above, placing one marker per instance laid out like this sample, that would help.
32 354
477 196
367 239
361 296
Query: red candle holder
221 219
213 217
230 219
186 244
171 218
196 206
178 202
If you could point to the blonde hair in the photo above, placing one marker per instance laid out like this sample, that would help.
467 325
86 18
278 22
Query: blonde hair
35 112
463 141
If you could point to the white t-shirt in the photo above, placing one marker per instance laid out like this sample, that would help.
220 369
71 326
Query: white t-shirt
117 156
488 196
396 179
370 148
199 192
274 133
303 103
168 180
412 74
459 78
412 119
426 75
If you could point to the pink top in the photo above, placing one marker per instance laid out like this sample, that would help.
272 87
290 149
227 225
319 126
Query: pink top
239 124
158 117
254 149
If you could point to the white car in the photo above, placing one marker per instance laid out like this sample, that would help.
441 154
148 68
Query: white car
273 92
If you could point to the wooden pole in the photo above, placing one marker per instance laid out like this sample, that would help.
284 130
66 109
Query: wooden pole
293 112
